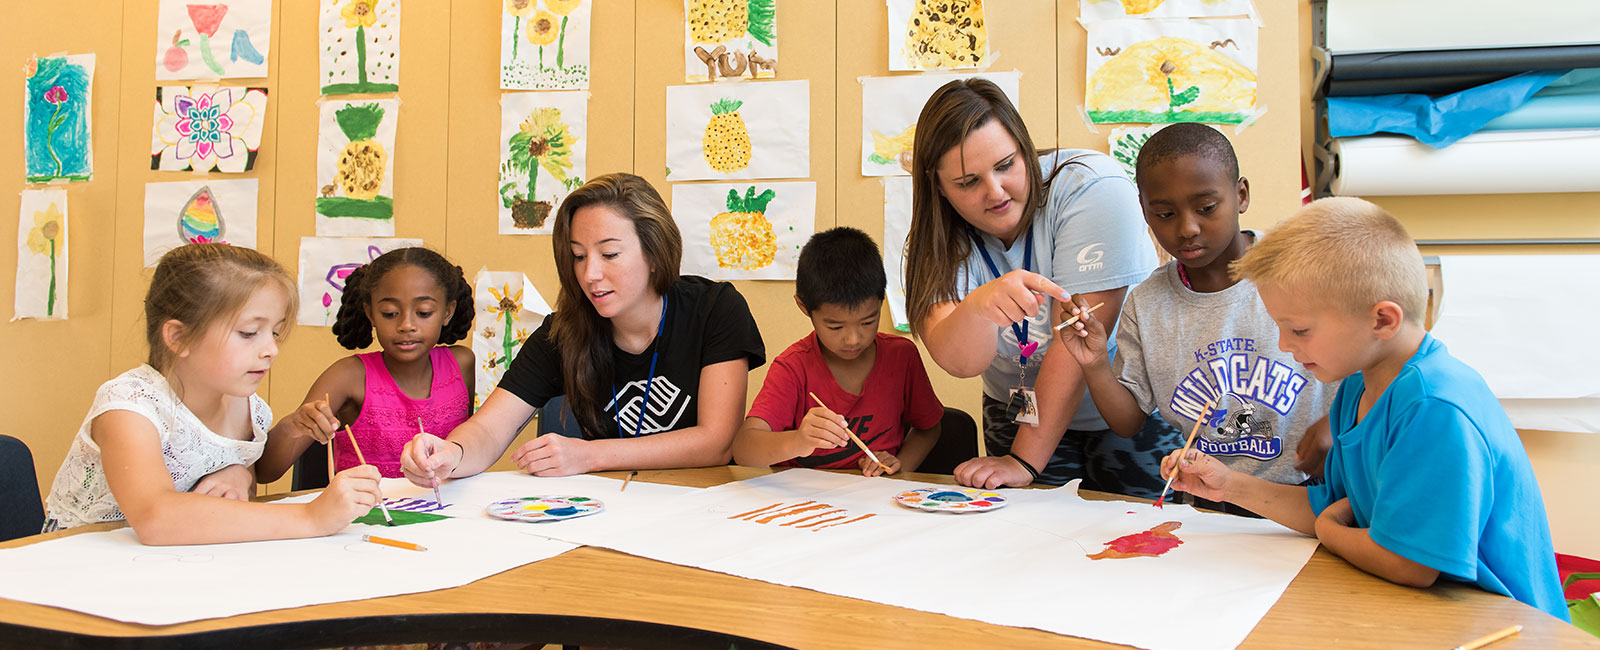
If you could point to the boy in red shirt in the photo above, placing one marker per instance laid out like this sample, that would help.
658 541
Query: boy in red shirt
875 381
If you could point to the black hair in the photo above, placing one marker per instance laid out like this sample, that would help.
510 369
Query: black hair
354 330
1187 139
840 266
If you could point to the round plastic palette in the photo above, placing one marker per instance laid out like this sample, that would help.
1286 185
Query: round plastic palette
545 508
958 500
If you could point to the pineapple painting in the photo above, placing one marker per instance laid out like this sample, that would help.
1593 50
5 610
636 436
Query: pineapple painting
541 157
358 46
730 39
355 168
937 34
742 236
726 145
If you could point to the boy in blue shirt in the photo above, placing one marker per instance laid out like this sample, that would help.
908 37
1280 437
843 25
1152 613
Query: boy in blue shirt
1426 477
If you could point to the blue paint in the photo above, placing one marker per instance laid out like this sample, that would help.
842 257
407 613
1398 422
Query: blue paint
244 49
565 511
64 151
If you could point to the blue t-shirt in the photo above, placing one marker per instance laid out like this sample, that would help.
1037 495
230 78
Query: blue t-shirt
1437 475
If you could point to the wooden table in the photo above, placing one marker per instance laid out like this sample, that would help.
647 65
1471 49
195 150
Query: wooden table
595 596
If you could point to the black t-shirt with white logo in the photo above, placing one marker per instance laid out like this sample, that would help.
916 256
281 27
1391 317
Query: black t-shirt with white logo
707 322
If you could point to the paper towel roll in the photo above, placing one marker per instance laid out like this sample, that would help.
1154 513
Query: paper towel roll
1497 162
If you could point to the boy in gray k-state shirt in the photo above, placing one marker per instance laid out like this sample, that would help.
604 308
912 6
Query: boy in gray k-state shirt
1189 334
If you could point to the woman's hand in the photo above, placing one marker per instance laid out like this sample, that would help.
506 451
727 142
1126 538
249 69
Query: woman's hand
556 455
1012 297
993 472
428 459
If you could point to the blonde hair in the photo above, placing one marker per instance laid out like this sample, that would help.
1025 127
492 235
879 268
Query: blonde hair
1346 251
200 284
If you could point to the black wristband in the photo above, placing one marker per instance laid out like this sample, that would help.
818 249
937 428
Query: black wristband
1031 471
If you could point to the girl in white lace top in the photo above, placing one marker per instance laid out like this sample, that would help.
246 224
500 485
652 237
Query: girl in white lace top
169 445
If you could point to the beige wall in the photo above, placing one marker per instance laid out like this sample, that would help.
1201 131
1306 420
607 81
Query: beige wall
446 157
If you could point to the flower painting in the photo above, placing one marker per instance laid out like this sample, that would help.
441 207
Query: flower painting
544 44
42 255
205 128
325 264
358 45
55 118
509 309
542 156
212 40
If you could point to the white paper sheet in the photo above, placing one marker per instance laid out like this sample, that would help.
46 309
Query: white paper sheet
727 236
1556 160
1160 71
763 131
896 229
1546 359
889 110
1388 26
544 145
544 45
355 167
213 40
206 127
57 118
324 265
933 34
509 308
42 256
358 46
717 45
1058 589
1093 10
192 212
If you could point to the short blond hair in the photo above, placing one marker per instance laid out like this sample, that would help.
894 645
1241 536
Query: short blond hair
1344 251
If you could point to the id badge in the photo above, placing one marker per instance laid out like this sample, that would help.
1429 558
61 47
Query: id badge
1023 408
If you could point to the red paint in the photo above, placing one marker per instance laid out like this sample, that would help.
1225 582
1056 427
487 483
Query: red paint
1151 543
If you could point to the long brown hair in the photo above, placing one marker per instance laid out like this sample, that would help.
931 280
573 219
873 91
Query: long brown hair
201 284
581 336
939 242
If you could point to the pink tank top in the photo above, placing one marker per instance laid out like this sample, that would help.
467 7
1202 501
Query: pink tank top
388 417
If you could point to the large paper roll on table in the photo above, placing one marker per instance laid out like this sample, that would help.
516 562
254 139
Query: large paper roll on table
1497 162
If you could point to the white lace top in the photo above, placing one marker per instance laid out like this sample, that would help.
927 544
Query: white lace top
80 495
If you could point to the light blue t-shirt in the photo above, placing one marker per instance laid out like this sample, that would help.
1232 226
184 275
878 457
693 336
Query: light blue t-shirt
1089 237
1437 475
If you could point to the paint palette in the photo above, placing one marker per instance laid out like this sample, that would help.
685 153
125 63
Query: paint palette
545 508
945 499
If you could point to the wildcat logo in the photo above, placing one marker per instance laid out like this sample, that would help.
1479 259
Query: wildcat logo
667 405
1089 257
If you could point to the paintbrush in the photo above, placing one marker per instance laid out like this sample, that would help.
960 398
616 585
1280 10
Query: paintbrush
329 445
853 437
1074 319
436 498
1192 433
627 479
387 520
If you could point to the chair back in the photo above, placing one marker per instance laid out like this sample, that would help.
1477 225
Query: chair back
21 510
958 442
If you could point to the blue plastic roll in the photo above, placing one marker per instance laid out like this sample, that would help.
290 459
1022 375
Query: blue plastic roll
1557 112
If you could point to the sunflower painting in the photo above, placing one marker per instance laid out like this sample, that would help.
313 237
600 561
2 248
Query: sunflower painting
355 168
1171 71
358 45
544 44
509 308
542 156
42 255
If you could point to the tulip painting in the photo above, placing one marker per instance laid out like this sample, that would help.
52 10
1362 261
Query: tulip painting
56 124
212 40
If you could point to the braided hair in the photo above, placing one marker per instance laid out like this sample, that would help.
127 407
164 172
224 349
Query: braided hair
354 330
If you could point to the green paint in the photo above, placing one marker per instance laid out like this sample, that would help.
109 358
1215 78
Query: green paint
359 88
763 18
561 44
880 160
1167 117
380 207
205 53
359 121
50 303
47 178
515 27
374 517
361 53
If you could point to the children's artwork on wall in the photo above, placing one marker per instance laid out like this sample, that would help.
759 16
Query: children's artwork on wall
358 45
1163 71
1095 10
730 39
197 212
933 34
56 122
896 229
744 231
325 262
509 310
42 255
543 156
1125 142
753 130
212 40
202 128
544 44
889 110
355 167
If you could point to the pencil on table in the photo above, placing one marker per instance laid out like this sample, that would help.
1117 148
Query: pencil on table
1489 638
387 520
853 437
393 542
1074 319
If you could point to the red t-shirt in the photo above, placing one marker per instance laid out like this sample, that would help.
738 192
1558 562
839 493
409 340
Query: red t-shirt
896 393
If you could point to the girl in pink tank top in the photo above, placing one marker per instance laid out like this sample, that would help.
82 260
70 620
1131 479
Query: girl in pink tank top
415 303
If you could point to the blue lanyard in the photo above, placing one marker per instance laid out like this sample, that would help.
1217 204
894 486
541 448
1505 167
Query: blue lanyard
1020 329
648 381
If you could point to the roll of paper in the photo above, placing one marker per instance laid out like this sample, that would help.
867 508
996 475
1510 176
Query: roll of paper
1495 162
1387 65
1557 112
1390 26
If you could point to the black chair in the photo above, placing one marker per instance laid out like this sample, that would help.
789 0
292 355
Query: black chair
556 417
21 511
311 469
958 442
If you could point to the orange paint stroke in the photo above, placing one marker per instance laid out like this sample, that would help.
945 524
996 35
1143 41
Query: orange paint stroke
866 516
1151 543
823 514
756 511
793 511
822 521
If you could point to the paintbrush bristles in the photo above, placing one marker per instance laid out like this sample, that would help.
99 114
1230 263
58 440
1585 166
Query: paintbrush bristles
1183 452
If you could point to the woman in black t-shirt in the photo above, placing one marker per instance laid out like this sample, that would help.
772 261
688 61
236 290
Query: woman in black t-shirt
672 351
